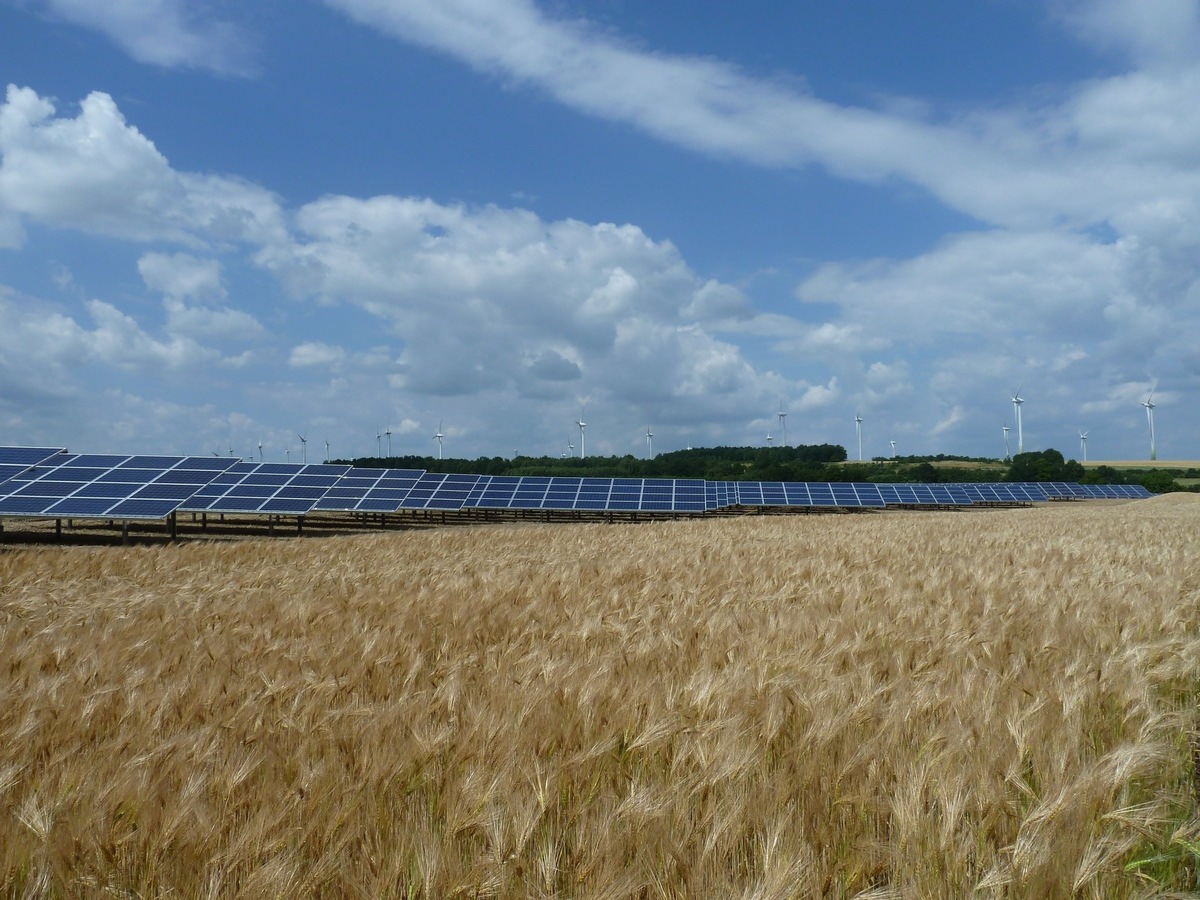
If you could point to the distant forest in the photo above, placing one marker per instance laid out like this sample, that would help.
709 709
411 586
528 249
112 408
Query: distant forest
805 462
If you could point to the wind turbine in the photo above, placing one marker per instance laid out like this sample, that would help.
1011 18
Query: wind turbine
379 443
287 454
769 439
649 443
1007 452
1016 402
858 428
260 459
438 437
327 451
1149 404
1083 444
582 436
389 437
783 422
304 447
893 443
570 447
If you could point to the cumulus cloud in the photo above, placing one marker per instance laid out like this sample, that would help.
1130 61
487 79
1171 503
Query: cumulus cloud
99 174
169 33
490 297
182 276
316 354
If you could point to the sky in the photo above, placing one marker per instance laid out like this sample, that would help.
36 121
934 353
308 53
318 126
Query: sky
226 224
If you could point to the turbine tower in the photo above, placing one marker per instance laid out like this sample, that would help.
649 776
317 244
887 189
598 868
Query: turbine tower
327 451
389 437
1149 404
649 443
379 444
304 447
1016 402
858 428
582 437
769 439
893 443
438 437
783 422
1083 444
260 459
1007 452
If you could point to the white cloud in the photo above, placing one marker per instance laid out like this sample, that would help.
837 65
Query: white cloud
182 276
1108 150
170 33
97 173
316 354
1151 32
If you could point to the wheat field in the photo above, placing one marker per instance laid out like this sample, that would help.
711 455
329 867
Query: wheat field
899 705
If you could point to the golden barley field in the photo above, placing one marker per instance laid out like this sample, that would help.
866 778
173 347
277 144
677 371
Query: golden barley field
898 705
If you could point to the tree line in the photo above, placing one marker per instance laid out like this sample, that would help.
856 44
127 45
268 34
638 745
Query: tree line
804 462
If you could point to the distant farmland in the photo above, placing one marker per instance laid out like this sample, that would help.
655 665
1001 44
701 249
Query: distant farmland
903 705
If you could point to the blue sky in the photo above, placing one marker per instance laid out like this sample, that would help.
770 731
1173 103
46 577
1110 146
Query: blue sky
225 223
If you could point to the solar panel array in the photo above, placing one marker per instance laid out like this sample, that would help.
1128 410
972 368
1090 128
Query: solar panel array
592 494
49 482
107 486
266 488
369 490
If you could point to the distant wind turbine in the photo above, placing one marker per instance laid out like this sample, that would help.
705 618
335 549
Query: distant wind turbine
304 447
389 437
287 454
379 443
858 428
1083 444
1149 404
582 436
438 437
893 443
649 443
327 451
260 458
769 439
1007 452
1016 402
783 422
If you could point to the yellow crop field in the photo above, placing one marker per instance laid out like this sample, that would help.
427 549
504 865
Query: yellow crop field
903 705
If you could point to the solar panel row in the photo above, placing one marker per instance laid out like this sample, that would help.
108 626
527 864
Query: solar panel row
49 482
110 486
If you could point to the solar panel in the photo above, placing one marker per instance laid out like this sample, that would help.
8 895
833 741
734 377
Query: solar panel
439 491
15 460
251 488
369 490
108 486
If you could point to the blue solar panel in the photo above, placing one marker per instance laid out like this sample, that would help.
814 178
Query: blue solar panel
24 457
441 492
105 486
370 490
267 489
